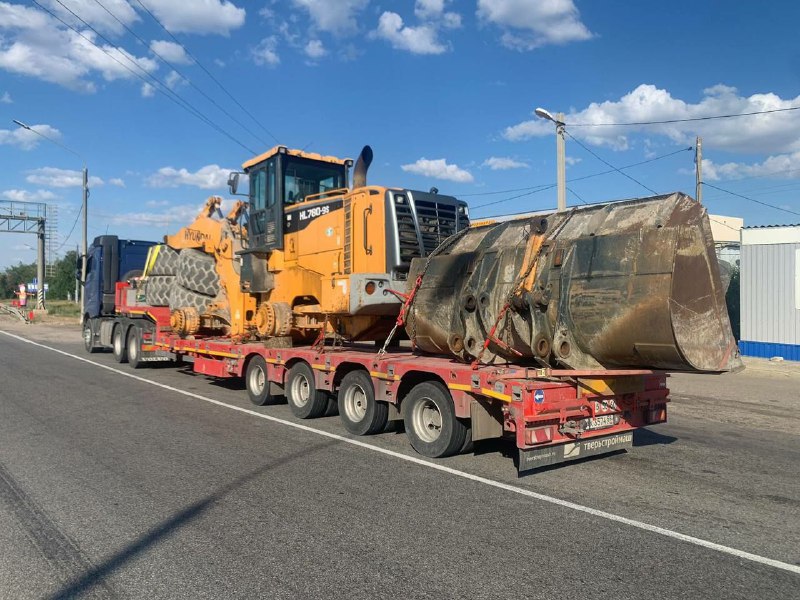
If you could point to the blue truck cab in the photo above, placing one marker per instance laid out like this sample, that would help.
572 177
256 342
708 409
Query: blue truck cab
108 261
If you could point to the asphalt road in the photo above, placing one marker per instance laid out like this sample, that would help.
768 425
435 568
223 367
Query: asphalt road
112 487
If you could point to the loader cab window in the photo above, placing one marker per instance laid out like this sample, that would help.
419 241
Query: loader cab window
262 195
304 177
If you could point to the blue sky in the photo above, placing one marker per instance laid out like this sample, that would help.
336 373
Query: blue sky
443 90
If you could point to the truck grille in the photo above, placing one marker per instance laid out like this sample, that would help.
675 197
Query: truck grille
437 222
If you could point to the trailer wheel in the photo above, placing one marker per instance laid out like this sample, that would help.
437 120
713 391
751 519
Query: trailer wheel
304 399
88 336
361 414
135 348
258 388
431 423
118 344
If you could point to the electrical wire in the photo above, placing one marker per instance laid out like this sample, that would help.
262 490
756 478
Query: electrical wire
786 210
207 72
181 75
71 231
687 120
574 193
166 91
605 162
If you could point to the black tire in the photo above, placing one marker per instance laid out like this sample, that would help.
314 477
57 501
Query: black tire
360 413
431 423
134 346
180 297
333 407
90 336
257 382
166 262
158 289
119 344
197 271
304 399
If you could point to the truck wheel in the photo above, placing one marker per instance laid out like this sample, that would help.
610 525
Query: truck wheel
118 344
88 336
257 383
361 414
431 423
304 399
135 348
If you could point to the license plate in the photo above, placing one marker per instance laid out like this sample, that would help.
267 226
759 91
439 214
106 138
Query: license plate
600 422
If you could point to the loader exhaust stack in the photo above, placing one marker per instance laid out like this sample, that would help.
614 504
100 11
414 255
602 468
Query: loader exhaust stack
626 284
362 166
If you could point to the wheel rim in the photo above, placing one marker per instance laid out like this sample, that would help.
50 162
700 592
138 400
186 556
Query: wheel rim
117 343
427 420
132 348
355 403
258 381
87 335
301 390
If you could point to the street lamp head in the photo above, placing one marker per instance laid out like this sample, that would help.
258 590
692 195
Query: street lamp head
544 114
21 124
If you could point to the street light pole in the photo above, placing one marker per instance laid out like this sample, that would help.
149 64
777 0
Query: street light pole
561 155
83 208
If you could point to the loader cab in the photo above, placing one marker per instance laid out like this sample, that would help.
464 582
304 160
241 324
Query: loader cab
281 178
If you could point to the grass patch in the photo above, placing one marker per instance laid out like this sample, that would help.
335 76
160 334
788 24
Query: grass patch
63 308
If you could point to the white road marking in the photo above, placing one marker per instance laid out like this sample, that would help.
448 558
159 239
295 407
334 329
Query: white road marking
431 465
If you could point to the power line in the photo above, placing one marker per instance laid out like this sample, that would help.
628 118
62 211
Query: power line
166 91
536 191
637 164
182 76
786 210
687 120
69 235
605 162
574 193
207 72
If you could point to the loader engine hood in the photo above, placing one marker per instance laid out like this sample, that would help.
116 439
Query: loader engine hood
631 284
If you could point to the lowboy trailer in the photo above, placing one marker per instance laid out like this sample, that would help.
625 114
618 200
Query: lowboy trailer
551 415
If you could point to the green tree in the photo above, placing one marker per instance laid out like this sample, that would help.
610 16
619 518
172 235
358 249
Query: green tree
62 282
13 276
732 300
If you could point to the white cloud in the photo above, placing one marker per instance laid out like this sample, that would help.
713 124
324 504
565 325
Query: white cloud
773 133
572 161
170 51
94 14
26 196
265 53
198 16
40 47
422 39
26 139
6 98
219 62
174 79
208 178
339 17
117 182
60 178
148 91
781 166
527 25
438 169
434 10
496 163
314 49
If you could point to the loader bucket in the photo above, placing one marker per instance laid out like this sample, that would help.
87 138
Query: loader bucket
631 284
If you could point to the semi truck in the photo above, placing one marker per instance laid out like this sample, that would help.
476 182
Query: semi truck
556 332
109 260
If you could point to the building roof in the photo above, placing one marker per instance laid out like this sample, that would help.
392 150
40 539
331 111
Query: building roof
771 234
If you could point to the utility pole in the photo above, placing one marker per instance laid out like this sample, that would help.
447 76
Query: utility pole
561 155
40 265
698 169
85 241
561 163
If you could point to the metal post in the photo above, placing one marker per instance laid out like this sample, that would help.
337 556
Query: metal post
40 267
698 174
85 242
561 163
77 288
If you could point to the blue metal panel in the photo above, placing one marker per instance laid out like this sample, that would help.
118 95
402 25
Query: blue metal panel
768 350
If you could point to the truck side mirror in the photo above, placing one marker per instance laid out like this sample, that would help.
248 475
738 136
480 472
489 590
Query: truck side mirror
233 183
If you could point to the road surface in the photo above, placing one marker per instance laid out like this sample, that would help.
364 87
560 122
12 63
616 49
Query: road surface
111 486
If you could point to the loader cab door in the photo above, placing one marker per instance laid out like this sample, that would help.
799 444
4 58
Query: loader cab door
266 212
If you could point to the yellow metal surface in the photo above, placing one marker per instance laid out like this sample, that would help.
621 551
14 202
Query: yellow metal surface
610 386
310 155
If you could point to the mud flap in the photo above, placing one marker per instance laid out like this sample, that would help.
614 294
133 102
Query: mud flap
533 458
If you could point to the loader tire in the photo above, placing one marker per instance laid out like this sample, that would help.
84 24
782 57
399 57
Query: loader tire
197 272
159 289
166 262
180 297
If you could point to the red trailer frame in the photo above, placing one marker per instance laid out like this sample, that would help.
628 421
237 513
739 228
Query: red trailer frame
553 415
